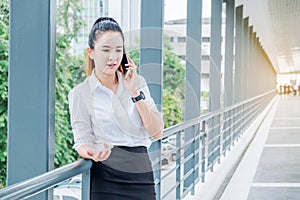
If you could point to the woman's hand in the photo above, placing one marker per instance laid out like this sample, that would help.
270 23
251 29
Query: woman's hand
93 153
130 81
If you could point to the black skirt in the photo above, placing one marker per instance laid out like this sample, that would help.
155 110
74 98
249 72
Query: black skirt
126 175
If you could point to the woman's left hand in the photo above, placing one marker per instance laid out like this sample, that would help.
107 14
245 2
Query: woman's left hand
130 81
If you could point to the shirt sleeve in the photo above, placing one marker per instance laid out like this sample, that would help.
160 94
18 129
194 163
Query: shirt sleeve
80 119
142 85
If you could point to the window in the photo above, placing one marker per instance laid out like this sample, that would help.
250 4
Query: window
171 39
205 39
205 57
181 39
182 57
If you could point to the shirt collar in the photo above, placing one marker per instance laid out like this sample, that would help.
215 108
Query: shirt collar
94 82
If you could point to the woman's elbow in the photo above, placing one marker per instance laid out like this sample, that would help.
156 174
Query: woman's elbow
158 135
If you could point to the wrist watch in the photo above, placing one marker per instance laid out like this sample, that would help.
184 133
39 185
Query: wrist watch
140 97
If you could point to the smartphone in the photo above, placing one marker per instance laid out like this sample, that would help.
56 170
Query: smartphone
125 70
123 62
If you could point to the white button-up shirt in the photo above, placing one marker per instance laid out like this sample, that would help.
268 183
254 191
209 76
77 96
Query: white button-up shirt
100 115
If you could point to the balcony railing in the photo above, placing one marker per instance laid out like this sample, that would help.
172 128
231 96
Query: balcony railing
180 158
45 181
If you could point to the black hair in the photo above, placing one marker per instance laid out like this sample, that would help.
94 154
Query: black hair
103 24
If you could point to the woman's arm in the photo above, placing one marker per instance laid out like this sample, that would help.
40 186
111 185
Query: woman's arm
152 121
82 129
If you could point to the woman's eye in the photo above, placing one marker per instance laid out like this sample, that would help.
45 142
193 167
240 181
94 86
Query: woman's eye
105 50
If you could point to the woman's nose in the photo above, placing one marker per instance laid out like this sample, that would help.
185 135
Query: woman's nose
112 55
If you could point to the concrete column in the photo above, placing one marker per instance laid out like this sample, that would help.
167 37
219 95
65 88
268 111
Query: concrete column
245 65
215 55
151 64
215 78
193 83
31 90
229 42
238 55
151 52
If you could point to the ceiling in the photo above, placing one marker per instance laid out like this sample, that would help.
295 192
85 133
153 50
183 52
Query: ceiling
277 25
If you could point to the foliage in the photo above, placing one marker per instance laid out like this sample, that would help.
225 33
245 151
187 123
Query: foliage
69 72
172 108
173 89
68 20
173 72
3 87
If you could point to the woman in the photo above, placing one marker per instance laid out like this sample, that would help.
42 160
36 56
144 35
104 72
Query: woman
113 118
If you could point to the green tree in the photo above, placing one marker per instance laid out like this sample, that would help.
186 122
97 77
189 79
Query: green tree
4 14
173 89
69 72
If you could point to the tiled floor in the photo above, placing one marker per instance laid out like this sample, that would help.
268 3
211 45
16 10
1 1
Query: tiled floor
278 172
276 166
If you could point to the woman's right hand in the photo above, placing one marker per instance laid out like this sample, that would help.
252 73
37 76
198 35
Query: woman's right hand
96 154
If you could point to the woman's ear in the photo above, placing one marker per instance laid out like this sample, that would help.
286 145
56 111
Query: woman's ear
90 52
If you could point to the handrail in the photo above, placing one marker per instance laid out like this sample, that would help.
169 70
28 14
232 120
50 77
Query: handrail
209 142
44 181
180 126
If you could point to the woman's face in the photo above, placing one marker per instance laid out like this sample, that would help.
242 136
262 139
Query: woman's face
107 52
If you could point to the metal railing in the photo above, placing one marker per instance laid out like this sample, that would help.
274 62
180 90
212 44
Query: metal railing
35 185
196 145
209 137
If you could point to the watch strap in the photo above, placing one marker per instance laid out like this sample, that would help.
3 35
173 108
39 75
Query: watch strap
140 97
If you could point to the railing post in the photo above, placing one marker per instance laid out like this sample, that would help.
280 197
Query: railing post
203 150
178 164
85 185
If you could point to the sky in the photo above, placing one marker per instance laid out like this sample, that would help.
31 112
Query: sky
176 9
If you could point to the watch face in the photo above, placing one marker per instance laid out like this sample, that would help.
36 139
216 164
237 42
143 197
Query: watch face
142 95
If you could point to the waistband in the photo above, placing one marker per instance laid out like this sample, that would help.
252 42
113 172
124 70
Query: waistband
137 149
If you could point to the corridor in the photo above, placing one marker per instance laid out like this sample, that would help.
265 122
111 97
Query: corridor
270 169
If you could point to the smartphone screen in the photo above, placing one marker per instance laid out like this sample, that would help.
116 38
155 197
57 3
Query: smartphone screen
123 62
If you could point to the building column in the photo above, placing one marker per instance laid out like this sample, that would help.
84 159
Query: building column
228 72
229 42
193 85
245 63
151 64
238 55
31 93
215 77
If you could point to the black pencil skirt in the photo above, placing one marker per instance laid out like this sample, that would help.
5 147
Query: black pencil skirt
126 175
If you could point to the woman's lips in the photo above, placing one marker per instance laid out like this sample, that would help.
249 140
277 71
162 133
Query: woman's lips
111 65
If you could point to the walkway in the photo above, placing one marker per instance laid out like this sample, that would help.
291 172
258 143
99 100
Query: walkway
270 169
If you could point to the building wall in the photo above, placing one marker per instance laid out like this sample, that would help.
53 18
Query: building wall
125 12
